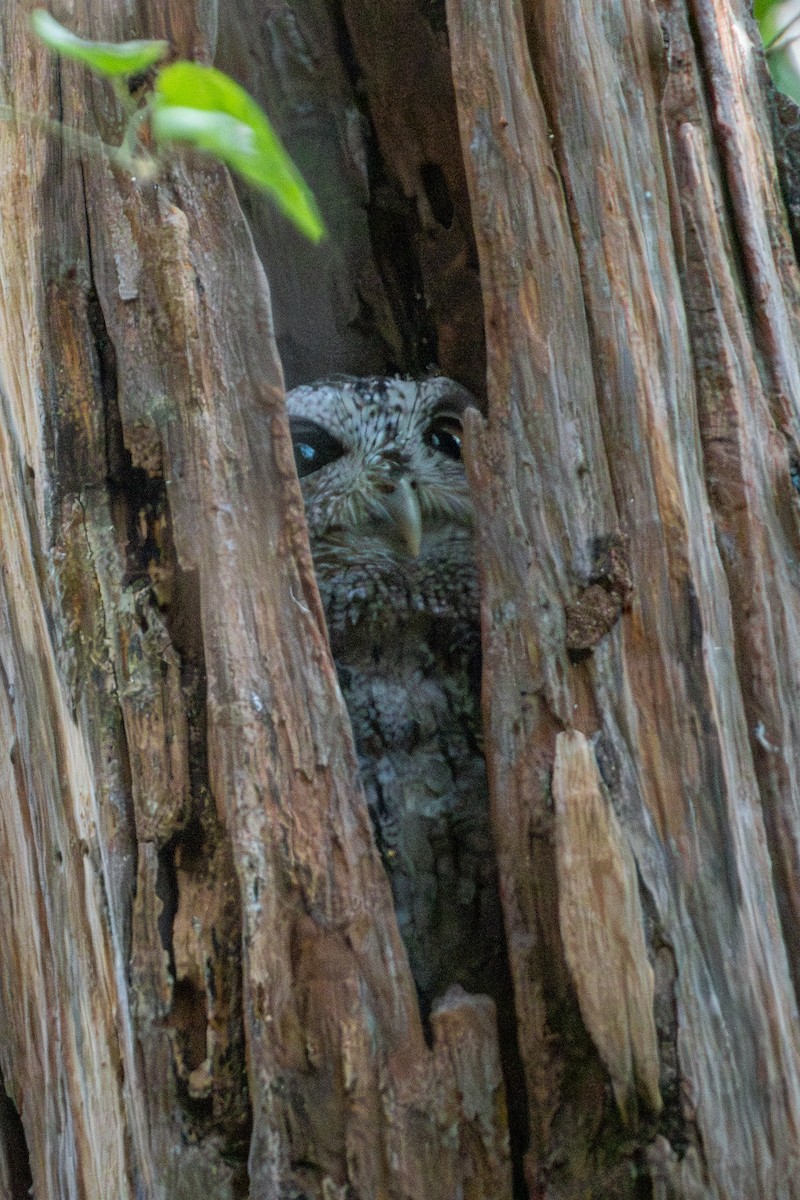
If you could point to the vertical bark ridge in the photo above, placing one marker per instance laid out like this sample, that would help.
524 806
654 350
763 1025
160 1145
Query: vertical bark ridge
344 1090
666 678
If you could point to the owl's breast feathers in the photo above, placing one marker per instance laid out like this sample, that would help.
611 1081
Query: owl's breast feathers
404 635
379 601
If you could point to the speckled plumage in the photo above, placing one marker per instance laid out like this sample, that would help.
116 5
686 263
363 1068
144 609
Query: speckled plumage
404 634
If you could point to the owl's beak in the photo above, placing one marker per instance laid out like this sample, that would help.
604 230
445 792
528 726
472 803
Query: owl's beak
402 508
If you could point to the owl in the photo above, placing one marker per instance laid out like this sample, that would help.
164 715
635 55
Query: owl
390 526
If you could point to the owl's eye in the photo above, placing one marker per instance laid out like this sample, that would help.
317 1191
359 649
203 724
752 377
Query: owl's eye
444 434
314 447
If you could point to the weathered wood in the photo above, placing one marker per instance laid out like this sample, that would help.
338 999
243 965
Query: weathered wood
405 73
63 993
262 912
330 303
201 978
748 430
660 695
601 921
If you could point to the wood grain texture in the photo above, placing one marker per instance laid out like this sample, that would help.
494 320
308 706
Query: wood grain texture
68 1054
241 999
661 694
404 73
749 451
543 435
330 304
602 926
201 979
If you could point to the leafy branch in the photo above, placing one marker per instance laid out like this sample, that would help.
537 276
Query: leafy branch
193 105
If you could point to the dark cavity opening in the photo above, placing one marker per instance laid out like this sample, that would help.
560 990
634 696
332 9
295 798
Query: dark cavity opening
14 1158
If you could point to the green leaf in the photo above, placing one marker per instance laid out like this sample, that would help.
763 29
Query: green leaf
207 109
784 75
107 58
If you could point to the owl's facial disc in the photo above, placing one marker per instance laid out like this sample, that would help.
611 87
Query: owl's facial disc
380 466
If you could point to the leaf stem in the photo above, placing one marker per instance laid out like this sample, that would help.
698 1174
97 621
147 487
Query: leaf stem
75 139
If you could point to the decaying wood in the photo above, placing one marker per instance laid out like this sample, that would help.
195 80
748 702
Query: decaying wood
404 61
330 303
262 911
661 693
600 917
202 985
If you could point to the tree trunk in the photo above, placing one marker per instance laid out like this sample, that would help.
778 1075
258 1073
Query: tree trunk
202 984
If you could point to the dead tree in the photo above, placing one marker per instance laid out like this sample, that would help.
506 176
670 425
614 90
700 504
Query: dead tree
202 987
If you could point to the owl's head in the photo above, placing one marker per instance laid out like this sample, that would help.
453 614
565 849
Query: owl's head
379 462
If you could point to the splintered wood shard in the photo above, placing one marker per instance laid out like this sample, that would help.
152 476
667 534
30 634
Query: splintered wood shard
601 921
